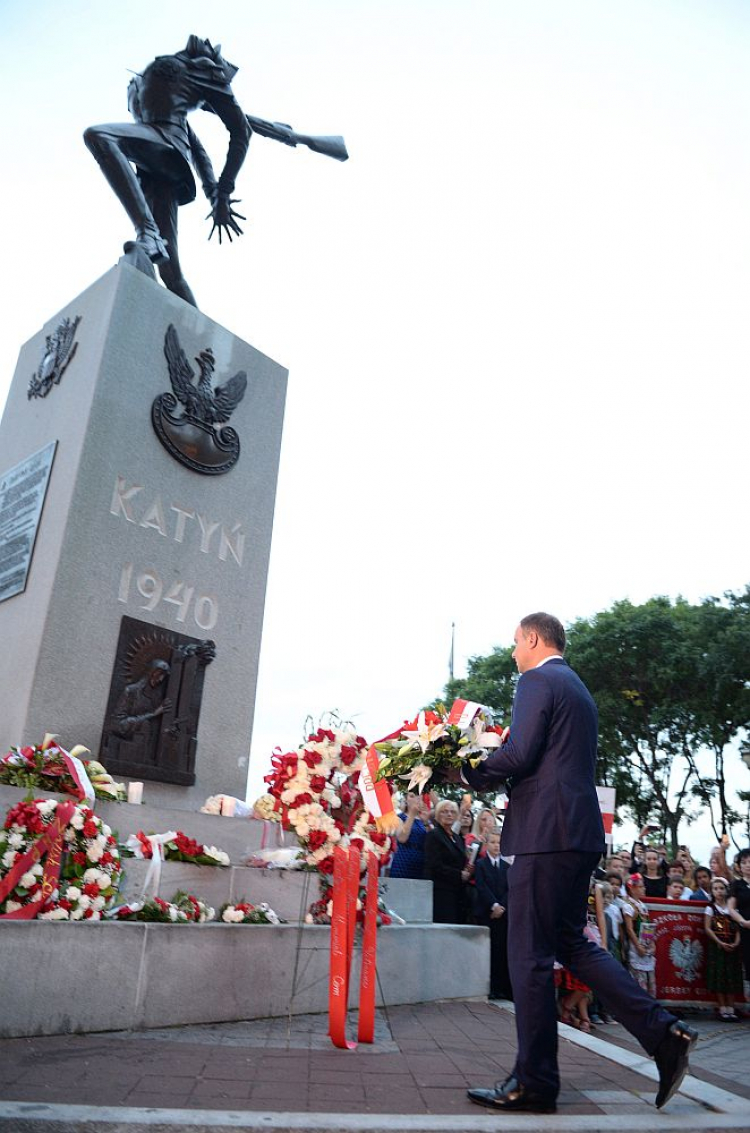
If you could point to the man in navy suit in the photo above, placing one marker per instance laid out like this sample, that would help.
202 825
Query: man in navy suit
491 886
554 828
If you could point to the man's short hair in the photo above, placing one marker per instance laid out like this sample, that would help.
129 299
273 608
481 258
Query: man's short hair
549 628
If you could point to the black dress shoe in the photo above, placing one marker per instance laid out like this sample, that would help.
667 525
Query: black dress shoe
513 1096
671 1057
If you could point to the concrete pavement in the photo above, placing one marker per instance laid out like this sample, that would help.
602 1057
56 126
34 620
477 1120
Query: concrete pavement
280 1074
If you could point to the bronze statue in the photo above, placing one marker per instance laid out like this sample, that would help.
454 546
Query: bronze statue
142 702
151 723
162 146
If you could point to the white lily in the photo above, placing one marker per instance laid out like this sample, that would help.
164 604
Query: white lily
418 776
423 735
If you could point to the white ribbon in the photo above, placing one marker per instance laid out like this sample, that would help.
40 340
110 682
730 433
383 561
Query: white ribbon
151 881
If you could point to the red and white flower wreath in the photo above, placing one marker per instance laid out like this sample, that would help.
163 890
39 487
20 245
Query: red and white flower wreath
90 867
316 795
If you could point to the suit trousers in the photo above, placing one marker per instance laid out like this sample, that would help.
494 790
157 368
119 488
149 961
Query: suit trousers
547 914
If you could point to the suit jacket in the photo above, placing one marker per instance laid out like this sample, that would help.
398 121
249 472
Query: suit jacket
444 859
549 763
491 886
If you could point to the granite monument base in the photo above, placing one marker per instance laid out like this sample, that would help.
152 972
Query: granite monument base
139 520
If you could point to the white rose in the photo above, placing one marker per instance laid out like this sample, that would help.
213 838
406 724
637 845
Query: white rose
54 915
72 893
46 807
27 880
8 858
12 906
106 830
70 835
209 914
77 820
84 901
90 875
76 915
94 852
302 829
334 835
98 903
272 917
288 797
172 913
95 916
15 841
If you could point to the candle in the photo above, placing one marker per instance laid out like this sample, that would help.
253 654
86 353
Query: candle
135 793
228 805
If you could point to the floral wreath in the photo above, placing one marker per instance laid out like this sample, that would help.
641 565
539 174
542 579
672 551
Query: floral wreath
314 790
90 871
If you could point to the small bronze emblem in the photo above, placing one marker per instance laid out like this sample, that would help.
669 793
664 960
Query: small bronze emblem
59 350
193 437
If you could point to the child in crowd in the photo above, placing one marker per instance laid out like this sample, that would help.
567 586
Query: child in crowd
612 893
724 974
641 950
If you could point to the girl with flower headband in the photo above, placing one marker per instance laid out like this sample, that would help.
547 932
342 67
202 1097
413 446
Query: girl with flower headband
641 950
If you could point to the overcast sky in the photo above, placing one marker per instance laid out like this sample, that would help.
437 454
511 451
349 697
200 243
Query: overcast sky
516 321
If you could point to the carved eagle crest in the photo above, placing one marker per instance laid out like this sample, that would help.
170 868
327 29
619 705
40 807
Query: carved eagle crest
195 437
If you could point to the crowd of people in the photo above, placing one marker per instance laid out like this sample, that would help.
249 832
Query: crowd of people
459 851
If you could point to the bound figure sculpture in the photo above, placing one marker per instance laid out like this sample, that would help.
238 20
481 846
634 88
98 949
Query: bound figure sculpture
162 147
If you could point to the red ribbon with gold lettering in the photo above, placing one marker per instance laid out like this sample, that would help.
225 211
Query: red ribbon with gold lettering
49 843
367 976
346 866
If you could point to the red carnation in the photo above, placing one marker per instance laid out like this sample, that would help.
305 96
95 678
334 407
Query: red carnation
91 889
348 754
65 904
90 829
317 783
303 799
311 758
378 838
317 839
326 866
106 858
89 913
79 857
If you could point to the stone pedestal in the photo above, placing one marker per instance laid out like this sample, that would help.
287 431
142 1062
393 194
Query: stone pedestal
126 529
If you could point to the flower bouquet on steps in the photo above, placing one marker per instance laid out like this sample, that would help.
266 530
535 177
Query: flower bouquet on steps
436 741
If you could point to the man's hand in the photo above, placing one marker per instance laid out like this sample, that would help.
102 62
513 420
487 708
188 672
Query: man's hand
224 217
497 911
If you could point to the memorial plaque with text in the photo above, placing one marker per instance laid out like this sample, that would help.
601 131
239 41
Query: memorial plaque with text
22 492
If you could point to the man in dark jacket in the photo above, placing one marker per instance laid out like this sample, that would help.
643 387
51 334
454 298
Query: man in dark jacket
554 828
491 879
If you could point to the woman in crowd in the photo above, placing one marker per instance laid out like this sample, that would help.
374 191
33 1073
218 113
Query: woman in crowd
408 858
739 907
446 866
484 825
653 877
724 972
641 952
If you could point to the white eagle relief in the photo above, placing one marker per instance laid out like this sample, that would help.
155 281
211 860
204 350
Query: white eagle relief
686 955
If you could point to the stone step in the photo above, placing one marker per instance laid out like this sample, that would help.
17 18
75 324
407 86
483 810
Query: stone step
123 976
239 837
288 892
